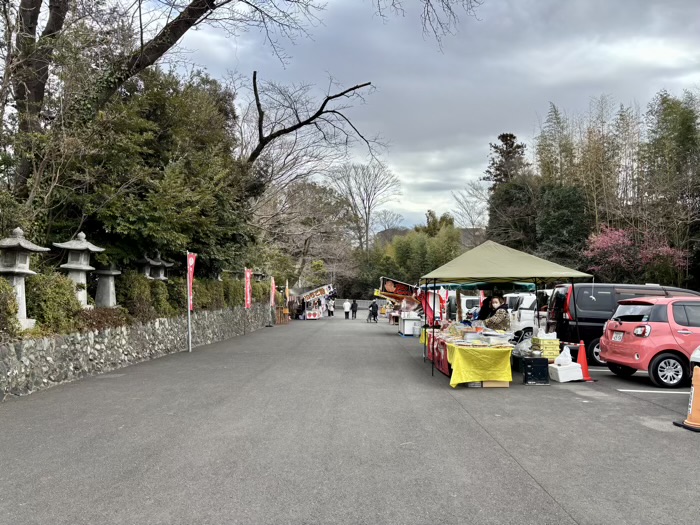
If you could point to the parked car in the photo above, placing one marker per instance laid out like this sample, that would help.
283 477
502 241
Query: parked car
656 334
528 314
594 305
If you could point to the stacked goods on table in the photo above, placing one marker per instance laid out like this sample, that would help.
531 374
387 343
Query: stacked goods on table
548 347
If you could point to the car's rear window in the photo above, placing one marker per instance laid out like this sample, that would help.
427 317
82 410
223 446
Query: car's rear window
641 313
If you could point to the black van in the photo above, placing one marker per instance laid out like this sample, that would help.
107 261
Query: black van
595 304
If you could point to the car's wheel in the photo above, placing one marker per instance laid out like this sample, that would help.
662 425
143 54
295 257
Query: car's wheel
594 353
668 371
621 370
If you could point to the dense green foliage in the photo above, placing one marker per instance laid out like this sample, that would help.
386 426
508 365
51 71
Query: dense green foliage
616 192
52 302
9 326
134 294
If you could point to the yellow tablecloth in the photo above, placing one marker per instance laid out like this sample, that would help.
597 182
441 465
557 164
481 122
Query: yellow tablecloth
479 364
424 336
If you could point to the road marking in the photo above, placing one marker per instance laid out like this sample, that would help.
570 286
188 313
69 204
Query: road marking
653 391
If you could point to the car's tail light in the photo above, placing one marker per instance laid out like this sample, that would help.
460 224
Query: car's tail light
567 304
642 331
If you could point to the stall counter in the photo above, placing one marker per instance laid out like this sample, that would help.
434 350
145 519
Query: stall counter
475 364
406 325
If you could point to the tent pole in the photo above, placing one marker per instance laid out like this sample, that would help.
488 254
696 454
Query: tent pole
432 361
537 306
425 322
573 301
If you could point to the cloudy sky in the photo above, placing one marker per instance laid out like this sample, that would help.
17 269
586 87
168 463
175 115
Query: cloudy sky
439 109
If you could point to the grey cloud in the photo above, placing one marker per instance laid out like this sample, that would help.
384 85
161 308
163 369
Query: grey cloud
439 110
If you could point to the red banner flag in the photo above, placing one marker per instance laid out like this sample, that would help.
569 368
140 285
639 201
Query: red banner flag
273 292
191 258
248 288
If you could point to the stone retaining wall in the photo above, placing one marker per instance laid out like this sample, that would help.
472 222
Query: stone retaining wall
35 364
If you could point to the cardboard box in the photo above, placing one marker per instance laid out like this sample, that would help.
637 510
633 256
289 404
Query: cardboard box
495 384
566 373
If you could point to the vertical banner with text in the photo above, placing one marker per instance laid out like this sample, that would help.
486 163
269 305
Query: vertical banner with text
248 288
191 259
273 292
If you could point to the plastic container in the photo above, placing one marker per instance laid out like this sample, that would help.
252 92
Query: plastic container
565 373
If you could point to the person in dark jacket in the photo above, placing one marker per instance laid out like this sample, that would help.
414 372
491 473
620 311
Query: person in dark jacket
373 311
353 309
485 310
499 318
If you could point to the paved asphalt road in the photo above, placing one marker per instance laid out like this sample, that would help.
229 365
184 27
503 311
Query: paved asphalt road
334 421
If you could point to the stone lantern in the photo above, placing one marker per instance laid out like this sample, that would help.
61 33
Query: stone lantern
145 265
106 296
14 266
158 267
78 264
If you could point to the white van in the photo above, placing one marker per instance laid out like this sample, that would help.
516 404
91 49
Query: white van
524 315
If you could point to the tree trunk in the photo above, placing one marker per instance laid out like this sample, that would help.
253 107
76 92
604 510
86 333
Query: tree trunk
31 72
33 59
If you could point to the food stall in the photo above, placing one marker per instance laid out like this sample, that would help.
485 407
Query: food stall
407 316
473 355
315 301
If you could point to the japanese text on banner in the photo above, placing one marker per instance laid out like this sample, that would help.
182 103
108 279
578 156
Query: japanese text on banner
191 259
248 288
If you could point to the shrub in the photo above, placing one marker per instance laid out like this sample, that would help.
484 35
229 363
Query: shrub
261 292
216 290
160 296
208 294
177 293
101 318
52 302
9 325
234 292
134 294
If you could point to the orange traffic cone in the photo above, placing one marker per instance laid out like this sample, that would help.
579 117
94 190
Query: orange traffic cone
693 421
582 360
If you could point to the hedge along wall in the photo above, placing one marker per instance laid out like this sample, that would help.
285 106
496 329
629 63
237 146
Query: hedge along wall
34 364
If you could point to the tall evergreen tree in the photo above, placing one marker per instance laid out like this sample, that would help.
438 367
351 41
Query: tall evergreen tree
507 160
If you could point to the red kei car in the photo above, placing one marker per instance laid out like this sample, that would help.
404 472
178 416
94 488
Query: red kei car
657 334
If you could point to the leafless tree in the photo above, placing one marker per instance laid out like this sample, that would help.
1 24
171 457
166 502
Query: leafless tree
471 211
365 187
306 221
387 220
471 205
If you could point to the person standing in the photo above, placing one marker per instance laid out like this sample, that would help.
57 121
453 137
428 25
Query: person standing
353 307
331 307
346 308
373 311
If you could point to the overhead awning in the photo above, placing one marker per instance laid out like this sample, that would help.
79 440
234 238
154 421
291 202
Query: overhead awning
493 262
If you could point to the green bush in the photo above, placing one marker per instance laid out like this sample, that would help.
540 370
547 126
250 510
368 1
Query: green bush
234 292
101 318
208 294
52 302
9 325
177 294
261 292
160 298
216 289
134 294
